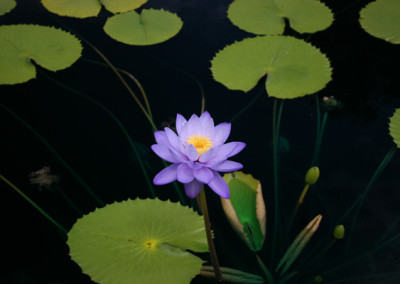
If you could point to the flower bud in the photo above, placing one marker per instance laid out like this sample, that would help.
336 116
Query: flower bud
312 175
338 232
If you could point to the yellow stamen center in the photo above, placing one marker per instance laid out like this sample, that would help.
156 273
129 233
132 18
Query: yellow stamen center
150 244
201 143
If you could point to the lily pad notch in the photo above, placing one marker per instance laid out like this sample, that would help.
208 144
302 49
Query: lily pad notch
294 68
50 48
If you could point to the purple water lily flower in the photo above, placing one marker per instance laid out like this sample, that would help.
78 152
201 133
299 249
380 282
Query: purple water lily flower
197 154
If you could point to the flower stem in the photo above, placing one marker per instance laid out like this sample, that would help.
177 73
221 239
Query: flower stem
70 202
276 120
33 204
207 224
361 198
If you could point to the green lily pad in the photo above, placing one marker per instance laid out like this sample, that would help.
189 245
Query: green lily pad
245 208
267 17
293 67
394 127
139 241
381 19
89 8
150 27
51 48
6 6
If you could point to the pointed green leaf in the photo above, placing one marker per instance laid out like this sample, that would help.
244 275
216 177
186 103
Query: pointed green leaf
394 127
89 8
266 17
149 27
293 67
51 48
6 6
245 209
381 19
139 241
298 244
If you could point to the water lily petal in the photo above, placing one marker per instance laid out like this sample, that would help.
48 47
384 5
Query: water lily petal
194 125
221 133
191 152
239 147
180 121
204 174
167 175
184 173
219 186
178 155
224 152
193 188
163 152
172 138
228 166
207 125
161 137
207 155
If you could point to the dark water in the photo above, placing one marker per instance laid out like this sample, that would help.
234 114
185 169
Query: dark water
356 139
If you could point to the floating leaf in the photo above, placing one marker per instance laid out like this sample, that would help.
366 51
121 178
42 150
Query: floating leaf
264 17
382 20
139 241
51 48
298 244
245 209
394 127
6 6
293 67
149 27
89 8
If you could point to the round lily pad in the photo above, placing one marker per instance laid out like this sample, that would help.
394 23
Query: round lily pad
51 48
150 27
6 6
266 17
293 67
381 19
394 127
89 8
139 241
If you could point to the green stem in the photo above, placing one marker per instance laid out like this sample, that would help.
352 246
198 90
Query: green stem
246 107
118 122
361 198
55 153
276 119
34 204
264 268
70 202
147 115
207 225
130 76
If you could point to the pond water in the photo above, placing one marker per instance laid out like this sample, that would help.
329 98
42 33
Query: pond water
355 140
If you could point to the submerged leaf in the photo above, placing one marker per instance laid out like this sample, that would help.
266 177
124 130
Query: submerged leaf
149 27
89 8
264 17
6 6
140 241
293 67
245 209
394 127
51 48
382 20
